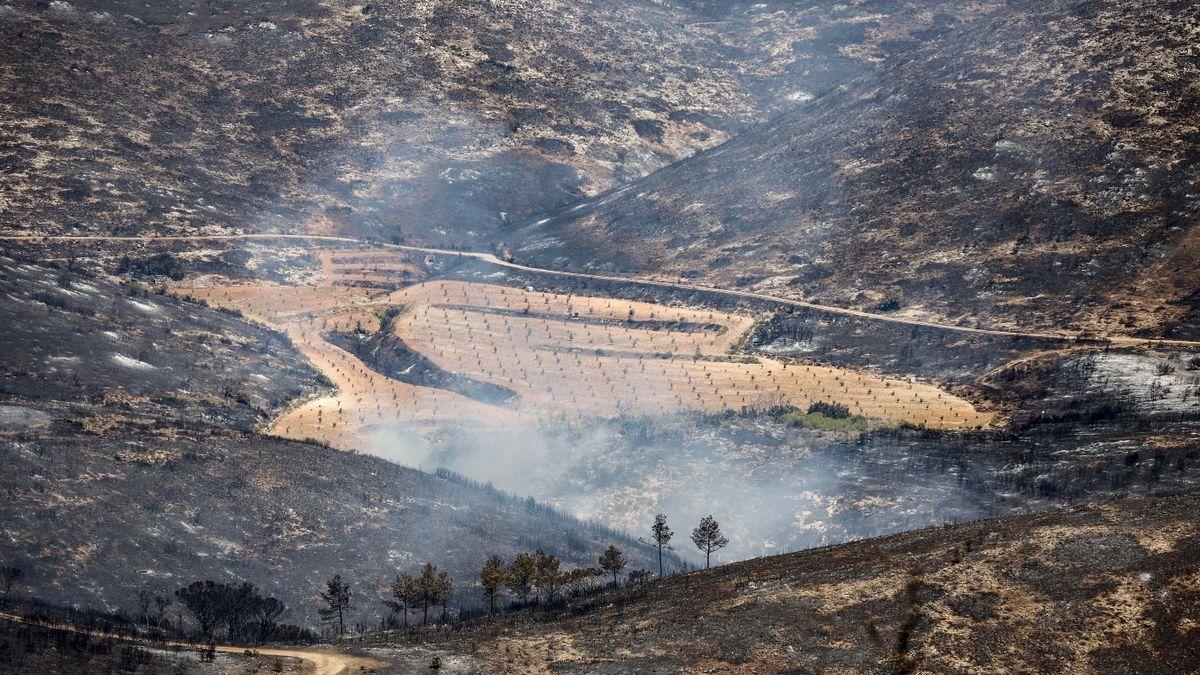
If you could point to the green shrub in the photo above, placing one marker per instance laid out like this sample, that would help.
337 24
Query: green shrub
836 411
822 422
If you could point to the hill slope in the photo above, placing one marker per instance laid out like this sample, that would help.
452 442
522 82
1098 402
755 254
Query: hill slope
1108 589
127 432
434 121
1036 167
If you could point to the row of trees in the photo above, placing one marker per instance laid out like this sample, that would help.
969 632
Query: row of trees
246 615
431 588
707 537
530 578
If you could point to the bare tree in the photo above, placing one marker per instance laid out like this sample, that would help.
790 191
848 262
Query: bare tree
144 599
708 538
612 561
161 603
10 575
336 597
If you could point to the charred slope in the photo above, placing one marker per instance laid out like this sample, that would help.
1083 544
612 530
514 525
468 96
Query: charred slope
129 462
1107 589
1034 168
73 339
388 354
94 517
435 121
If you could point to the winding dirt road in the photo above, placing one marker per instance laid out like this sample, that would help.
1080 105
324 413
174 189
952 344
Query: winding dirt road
323 662
494 260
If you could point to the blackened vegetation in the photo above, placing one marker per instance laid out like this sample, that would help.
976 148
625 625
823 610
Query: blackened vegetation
71 337
483 142
891 348
950 175
388 354
27 649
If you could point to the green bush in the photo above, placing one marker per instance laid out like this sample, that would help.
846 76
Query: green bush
836 411
822 422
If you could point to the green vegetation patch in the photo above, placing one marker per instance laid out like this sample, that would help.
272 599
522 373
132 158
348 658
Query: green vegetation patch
824 416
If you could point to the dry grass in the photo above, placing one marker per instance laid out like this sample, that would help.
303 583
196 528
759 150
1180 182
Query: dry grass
567 357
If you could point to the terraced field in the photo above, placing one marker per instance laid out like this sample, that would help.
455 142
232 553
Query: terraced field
566 358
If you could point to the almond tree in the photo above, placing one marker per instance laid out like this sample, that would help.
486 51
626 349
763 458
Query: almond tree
708 538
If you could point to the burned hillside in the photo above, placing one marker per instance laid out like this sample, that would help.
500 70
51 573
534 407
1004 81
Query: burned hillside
1034 168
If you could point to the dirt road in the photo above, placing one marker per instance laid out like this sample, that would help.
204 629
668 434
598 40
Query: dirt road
494 260
323 662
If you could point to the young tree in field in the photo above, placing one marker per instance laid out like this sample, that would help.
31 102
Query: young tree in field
547 578
10 575
708 538
661 537
612 561
336 597
520 576
491 578
205 600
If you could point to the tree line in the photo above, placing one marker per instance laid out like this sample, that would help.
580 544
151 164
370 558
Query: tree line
240 614
533 578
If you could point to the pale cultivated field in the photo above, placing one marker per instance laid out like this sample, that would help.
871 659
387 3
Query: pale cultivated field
345 266
568 358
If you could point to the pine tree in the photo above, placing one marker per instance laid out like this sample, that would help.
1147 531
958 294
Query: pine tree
406 593
520 576
491 578
336 597
708 538
435 588
612 561
547 578
662 538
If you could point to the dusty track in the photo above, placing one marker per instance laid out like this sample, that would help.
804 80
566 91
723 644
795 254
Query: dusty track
492 259
324 663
